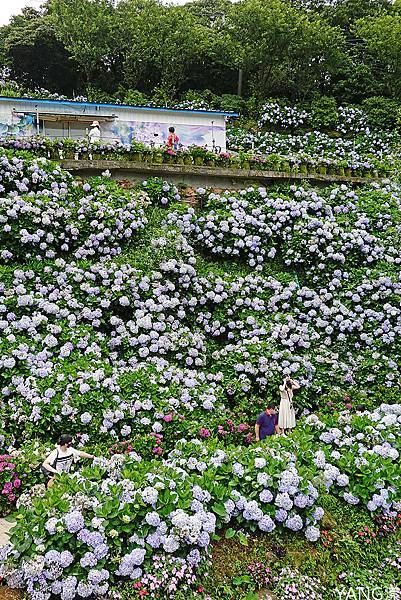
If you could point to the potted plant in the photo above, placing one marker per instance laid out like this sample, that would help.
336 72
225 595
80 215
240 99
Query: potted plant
210 159
311 166
137 150
97 151
48 146
187 158
223 159
157 156
384 167
347 170
322 169
340 170
257 163
54 147
147 154
169 155
179 157
235 162
68 148
245 158
198 154
285 166
273 162
332 169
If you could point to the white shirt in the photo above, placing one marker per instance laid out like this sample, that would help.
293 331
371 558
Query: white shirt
62 461
94 134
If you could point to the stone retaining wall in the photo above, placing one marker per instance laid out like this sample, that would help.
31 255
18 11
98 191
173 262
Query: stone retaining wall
195 176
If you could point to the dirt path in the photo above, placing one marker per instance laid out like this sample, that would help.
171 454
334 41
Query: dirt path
5 527
7 593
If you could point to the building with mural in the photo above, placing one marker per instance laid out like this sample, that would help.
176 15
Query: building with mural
21 117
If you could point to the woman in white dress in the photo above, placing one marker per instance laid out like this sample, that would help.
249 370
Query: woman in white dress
286 415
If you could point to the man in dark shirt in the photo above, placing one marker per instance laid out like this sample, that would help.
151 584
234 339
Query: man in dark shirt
266 424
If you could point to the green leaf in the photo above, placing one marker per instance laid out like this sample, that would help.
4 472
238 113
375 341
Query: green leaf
10 519
242 579
242 539
219 510
230 533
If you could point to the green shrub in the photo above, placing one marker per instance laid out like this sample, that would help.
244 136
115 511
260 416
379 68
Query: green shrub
382 113
324 113
135 98
95 94
161 96
231 103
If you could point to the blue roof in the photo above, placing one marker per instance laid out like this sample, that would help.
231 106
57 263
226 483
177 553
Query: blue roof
74 103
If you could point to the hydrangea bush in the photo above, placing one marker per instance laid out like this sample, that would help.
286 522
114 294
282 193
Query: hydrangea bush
281 116
160 191
10 483
278 115
366 155
373 150
160 333
45 217
131 509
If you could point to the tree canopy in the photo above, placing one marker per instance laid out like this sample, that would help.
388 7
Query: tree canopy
346 49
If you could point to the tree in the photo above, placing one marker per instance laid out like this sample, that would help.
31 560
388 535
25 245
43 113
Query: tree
348 49
210 12
139 22
283 50
315 58
345 13
382 37
34 54
168 46
88 30
359 78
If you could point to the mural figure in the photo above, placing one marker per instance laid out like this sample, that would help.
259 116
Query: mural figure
18 126
139 131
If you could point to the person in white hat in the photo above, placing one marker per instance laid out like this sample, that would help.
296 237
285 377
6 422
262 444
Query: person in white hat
94 132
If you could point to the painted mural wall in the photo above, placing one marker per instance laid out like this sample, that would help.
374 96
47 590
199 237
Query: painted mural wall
17 125
125 124
157 133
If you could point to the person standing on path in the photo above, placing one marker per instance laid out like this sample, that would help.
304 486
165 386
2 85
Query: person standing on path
94 132
61 459
173 139
266 424
286 414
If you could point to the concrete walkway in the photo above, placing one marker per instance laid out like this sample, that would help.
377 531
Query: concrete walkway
5 527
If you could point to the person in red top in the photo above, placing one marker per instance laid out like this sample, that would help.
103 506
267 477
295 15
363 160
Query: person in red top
173 139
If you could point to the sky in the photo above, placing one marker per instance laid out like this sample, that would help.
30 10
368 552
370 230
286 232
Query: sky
13 7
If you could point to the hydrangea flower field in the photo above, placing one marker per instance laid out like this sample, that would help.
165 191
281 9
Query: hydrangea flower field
155 333
353 152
